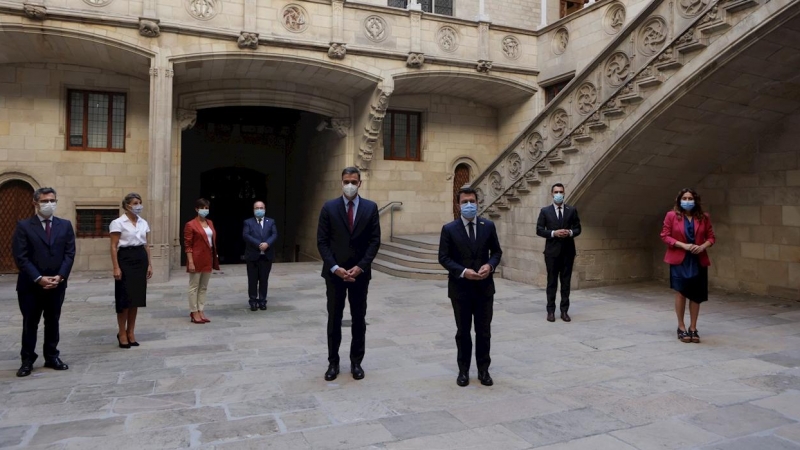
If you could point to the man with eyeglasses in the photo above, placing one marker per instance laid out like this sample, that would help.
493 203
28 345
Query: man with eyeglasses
44 251
348 238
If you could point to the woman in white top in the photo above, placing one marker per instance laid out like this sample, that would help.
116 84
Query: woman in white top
130 256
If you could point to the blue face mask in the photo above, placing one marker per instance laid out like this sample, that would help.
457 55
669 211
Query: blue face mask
469 210
558 198
202 212
687 205
259 213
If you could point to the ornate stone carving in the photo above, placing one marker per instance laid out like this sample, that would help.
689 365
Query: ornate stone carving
372 131
98 3
375 28
169 73
687 39
616 69
248 40
484 66
586 97
186 118
496 183
415 60
514 165
340 126
149 28
154 71
691 8
653 36
511 47
337 50
560 41
447 38
535 146
481 197
202 9
559 122
614 18
35 12
294 18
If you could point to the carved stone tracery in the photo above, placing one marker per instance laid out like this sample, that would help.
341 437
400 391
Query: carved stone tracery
560 41
294 18
511 47
202 9
447 38
653 36
375 28
372 131
614 18
586 98
559 122
535 146
496 183
98 3
691 8
616 68
514 166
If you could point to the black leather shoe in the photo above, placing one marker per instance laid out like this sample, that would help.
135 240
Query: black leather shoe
357 371
333 371
25 369
56 364
253 307
463 378
262 306
485 378
551 317
565 317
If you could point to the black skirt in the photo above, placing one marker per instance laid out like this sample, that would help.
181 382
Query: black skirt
131 290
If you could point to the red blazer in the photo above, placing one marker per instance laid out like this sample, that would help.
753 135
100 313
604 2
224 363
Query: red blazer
672 231
195 242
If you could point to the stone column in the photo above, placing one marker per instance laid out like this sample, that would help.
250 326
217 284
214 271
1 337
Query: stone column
415 56
160 161
338 48
484 61
543 6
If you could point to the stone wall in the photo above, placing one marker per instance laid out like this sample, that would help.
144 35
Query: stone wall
32 141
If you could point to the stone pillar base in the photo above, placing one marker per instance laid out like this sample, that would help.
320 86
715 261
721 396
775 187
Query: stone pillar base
160 270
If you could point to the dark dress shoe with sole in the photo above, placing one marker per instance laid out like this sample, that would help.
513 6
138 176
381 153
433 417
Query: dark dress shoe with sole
56 364
263 307
357 371
463 379
253 307
333 371
25 369
485 378
565 317
551 317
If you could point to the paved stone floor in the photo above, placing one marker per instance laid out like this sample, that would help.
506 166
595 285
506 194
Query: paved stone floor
614 378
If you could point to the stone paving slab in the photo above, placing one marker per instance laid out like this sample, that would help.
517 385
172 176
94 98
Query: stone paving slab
614 378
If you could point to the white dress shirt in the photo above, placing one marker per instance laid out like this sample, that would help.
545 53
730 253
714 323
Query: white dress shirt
130 235
355 210
563 210
42 219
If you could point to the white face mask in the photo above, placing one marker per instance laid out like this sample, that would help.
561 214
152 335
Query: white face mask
350 190
47 209
137 209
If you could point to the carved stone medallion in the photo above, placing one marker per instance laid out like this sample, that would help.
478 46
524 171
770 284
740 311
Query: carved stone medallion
614 18
514 166
586 97
375 28
511 47
560 41
691 8
535 146
559 122
447 38
294 18
97 3
496 183
616 70
202 9
653 36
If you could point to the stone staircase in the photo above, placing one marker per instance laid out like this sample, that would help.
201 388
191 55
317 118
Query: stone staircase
411 256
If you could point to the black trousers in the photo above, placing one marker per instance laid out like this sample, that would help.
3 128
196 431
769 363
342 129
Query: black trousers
481 309
337 290
258 280
559 268
33 304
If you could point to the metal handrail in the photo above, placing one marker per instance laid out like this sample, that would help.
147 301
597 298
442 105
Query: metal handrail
391 206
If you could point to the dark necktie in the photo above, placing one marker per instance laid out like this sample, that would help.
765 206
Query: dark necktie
350 215
47 228
260 224
471 226
560 217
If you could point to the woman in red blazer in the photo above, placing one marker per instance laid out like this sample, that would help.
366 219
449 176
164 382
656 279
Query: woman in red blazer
688 233
200 244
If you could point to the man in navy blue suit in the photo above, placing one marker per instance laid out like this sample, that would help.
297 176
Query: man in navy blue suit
44 251
470 251
260 234
348 238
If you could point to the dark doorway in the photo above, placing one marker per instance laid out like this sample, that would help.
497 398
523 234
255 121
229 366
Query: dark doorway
16 203
460 178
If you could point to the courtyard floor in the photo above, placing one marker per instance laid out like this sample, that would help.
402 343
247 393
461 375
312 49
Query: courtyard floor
615 378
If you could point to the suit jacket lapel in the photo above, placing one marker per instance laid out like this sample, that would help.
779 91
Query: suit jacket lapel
199 228
39 229
343 214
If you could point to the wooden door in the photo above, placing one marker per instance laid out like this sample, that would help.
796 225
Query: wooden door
460 178
15 204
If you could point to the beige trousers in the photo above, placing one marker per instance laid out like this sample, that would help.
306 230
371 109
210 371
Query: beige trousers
198 284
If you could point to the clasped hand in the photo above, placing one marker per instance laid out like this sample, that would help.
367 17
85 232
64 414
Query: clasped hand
561 233
484 272
695 249
349 275
49 282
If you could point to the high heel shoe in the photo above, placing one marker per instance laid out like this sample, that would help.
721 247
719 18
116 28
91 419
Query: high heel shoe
121 345
205 319
195 321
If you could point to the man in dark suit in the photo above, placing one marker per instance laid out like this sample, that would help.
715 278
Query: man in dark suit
348 238
560 225
470 251
44 250
259 233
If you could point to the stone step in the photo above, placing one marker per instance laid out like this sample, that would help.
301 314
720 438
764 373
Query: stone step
398 270
410 262
410 250
426 241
